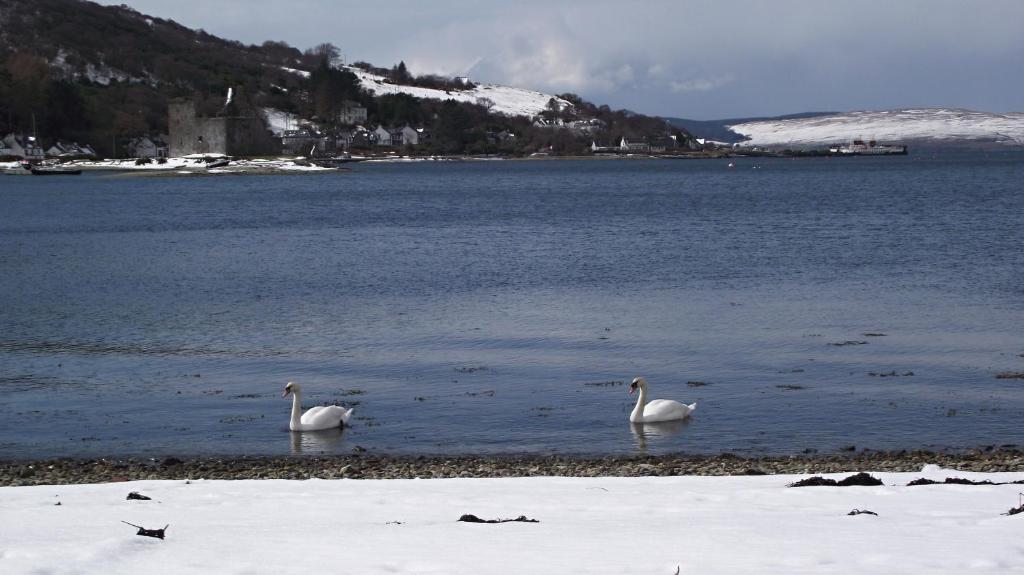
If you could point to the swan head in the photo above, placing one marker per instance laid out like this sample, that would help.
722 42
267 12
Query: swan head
291 387
638 383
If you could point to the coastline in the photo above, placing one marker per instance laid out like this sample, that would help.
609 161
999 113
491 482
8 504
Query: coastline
104 470
192 166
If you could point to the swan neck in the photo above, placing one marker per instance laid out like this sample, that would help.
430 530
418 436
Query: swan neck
296 410
641 401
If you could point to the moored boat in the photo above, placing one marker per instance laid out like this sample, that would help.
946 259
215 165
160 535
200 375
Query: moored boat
55 171
870 148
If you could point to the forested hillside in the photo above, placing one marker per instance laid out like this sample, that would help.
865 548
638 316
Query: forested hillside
76 70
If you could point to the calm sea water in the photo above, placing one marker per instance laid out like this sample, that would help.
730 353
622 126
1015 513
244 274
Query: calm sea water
498 307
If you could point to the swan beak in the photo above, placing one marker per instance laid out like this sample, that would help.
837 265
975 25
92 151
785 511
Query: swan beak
286 392
632 388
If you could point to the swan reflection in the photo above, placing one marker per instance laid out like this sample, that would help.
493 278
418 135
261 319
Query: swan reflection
655 432
325 441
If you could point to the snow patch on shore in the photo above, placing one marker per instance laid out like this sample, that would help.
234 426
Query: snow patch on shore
197 163
649 525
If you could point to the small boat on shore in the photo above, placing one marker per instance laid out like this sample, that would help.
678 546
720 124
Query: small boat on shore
55 171
335 162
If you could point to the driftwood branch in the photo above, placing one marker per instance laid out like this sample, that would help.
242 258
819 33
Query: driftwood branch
1019 508
861 512
158 533
470 518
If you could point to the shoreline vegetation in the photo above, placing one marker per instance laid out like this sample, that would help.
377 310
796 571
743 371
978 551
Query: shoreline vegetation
14 472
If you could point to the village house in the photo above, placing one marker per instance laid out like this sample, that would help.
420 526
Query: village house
634 146
500 137
541 122
409 136
420 135
351 113
381 136
662 144
397 137
587 127
342 139
70 150
5 152
307 143
148 147
21 146
603 148
359 137
702 144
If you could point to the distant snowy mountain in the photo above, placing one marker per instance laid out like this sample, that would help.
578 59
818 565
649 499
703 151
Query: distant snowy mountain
507 100
932 124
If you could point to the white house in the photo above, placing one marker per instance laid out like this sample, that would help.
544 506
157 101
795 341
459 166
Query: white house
382 136
147 147
70 150
640 145
7 151
411 136
584 127
21 147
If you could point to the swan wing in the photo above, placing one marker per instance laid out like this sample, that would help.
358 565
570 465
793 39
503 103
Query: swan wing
311 413
325 417
666 410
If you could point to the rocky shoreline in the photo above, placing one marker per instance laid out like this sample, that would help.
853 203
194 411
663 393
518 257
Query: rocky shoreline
73 471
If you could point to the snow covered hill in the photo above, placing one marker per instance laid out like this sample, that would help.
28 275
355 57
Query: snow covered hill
507 100
931 124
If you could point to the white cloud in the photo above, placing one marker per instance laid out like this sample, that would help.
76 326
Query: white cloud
700 84
716 59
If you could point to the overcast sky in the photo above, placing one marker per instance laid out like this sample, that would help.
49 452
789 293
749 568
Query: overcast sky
694 59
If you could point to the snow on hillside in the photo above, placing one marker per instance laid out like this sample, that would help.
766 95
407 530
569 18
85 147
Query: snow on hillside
278 121
507 100
887 126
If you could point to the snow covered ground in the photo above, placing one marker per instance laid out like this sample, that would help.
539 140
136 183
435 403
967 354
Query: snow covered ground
887 126
652 525
507 100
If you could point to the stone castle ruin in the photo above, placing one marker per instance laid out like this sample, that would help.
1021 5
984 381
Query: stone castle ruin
230 133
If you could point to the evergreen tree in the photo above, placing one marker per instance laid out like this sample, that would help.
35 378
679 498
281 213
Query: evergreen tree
400 74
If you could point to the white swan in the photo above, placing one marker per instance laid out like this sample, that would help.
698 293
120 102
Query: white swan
315 418
656 409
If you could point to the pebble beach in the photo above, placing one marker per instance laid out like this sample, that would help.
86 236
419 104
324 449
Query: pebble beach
76 471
